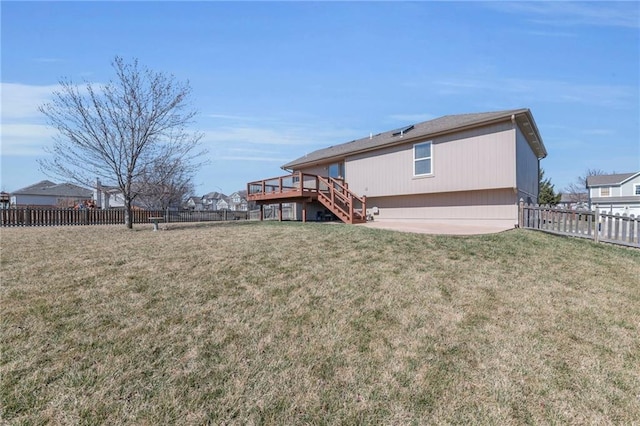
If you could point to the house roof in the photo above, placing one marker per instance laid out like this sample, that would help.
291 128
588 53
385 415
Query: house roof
213 196
573 198
606 180
242 194
51 189
426 129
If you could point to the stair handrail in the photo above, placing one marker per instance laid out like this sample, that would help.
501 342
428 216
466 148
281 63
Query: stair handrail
345 195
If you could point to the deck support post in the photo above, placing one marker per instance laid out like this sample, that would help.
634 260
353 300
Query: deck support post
304 211
261 212
280 212
364 207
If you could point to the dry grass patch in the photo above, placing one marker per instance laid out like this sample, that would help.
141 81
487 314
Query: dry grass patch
287 323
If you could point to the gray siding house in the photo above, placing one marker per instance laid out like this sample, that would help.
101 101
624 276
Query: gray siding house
616 193
49 194
466 168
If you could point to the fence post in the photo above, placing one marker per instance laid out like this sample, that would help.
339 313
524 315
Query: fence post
596 234
521 213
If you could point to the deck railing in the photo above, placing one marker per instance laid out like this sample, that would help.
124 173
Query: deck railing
295 184
333 193
336 196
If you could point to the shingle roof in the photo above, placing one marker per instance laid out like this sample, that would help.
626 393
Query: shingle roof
615 179
446 124
49 188
213 196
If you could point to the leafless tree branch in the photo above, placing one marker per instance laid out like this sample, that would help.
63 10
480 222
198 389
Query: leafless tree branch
130 133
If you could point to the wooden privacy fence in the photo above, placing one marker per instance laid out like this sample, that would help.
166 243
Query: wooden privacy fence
595 225
72 217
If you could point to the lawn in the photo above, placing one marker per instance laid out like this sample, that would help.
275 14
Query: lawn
290 323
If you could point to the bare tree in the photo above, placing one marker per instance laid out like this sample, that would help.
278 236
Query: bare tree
577 191
165 185
122 131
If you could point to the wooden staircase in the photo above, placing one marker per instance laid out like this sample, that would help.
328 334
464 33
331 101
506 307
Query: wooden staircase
334 194
341 201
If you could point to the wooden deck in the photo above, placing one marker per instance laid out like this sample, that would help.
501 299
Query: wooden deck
305 188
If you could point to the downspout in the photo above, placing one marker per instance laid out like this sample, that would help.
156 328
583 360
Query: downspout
538 194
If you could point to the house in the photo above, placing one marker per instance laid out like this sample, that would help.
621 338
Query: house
210 200
194 203
616 193
5 200
107 197
574 201
111 197
466 168
222 204
238 201
49 194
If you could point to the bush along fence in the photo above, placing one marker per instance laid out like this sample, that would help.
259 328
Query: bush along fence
596 225
68 217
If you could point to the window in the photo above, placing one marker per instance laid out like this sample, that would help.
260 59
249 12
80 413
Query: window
336 170
422 159
636 189
605 192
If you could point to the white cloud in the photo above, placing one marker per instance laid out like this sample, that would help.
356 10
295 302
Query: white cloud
568 14
250 150
253 135
277 136
25 139
21 101
47 60
230 117
261 159
551 33
598 132
544 90
412 118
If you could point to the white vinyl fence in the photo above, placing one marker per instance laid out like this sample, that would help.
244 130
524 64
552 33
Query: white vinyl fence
595 225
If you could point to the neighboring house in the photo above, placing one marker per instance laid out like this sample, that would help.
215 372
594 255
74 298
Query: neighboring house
222 204
617 193
111 197
238 201
576 201
108 197
194 203
210 200
5 200
50 194
468 168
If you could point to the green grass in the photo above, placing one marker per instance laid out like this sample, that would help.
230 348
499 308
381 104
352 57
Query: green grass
288 323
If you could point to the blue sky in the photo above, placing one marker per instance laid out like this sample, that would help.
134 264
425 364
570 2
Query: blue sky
275 80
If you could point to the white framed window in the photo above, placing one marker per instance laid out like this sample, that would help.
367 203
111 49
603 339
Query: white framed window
636 189
422 159
605 191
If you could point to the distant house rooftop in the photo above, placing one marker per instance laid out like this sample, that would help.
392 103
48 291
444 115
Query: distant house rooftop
607 180
48 188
